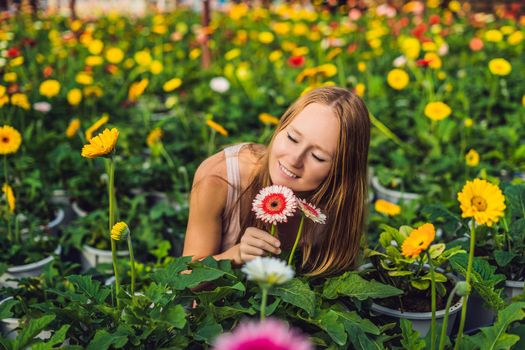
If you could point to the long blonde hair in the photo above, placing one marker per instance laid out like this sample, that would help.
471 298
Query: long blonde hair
331 248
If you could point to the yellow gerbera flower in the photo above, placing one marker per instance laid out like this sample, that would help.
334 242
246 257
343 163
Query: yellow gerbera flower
114 55
49 88
481 200
74 96
154 136
437 110
268 119
397 79
385 207
265 37
10 140
418 240
172 84
500 66
472 158
20 100
493 35
136 89
10 197
72 128
119 231
101 145
89 132
217 127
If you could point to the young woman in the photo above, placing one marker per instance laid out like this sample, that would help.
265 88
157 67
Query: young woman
320 151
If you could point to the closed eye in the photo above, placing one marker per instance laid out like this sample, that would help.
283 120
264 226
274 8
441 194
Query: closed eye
318 159
292 139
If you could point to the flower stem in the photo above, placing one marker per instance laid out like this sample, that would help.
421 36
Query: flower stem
445 319
467 278
264 291
111 194
272 230
8 215
132 263
297 237
433 298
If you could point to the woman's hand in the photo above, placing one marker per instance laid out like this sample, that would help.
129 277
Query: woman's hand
256 243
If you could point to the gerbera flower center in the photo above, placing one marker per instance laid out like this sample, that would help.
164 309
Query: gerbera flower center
479 203
274 203
5 139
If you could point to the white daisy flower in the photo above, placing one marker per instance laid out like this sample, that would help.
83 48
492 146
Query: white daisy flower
220 84
268 271
274 204
311 211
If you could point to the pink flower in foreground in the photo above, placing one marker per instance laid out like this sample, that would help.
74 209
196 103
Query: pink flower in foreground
311 212
265 335
274 204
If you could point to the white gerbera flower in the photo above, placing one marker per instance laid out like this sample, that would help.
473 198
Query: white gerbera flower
43 106
274 204
400 61
220 84
268 271
311 211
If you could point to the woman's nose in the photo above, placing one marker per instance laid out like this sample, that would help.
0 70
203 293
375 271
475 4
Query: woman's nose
297 158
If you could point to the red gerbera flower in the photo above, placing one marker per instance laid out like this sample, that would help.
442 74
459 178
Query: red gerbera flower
274 204
296 61
434 19
310 211
13 52
423 62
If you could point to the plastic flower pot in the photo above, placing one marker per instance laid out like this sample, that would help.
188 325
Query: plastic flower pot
33 269
392 195
9 328
27 270
90 257
421 321
513 288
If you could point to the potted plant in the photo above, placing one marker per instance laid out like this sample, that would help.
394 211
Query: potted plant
406 259
28 234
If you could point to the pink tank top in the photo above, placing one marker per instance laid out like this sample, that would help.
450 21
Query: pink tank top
231 225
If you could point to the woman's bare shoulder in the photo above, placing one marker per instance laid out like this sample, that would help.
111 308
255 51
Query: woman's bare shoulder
249 158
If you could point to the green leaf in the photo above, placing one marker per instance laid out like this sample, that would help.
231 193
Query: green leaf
515 196
236 310
27 334
483 279
420 284
350 284
351 319
411 339
503 258
211 296
89 287
328 320
57 338
175 316
208 330
297 293
398 273
103 340
436 250
495 336
5 308
360 340
206 270
165 276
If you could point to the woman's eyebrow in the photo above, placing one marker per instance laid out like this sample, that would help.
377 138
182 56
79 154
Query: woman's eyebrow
315 146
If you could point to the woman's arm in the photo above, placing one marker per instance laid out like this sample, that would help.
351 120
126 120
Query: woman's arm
207 203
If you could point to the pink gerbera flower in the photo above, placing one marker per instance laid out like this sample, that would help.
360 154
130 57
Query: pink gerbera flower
266 335
274 204
311 211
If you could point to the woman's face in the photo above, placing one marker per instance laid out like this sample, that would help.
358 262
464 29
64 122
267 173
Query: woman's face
303 152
